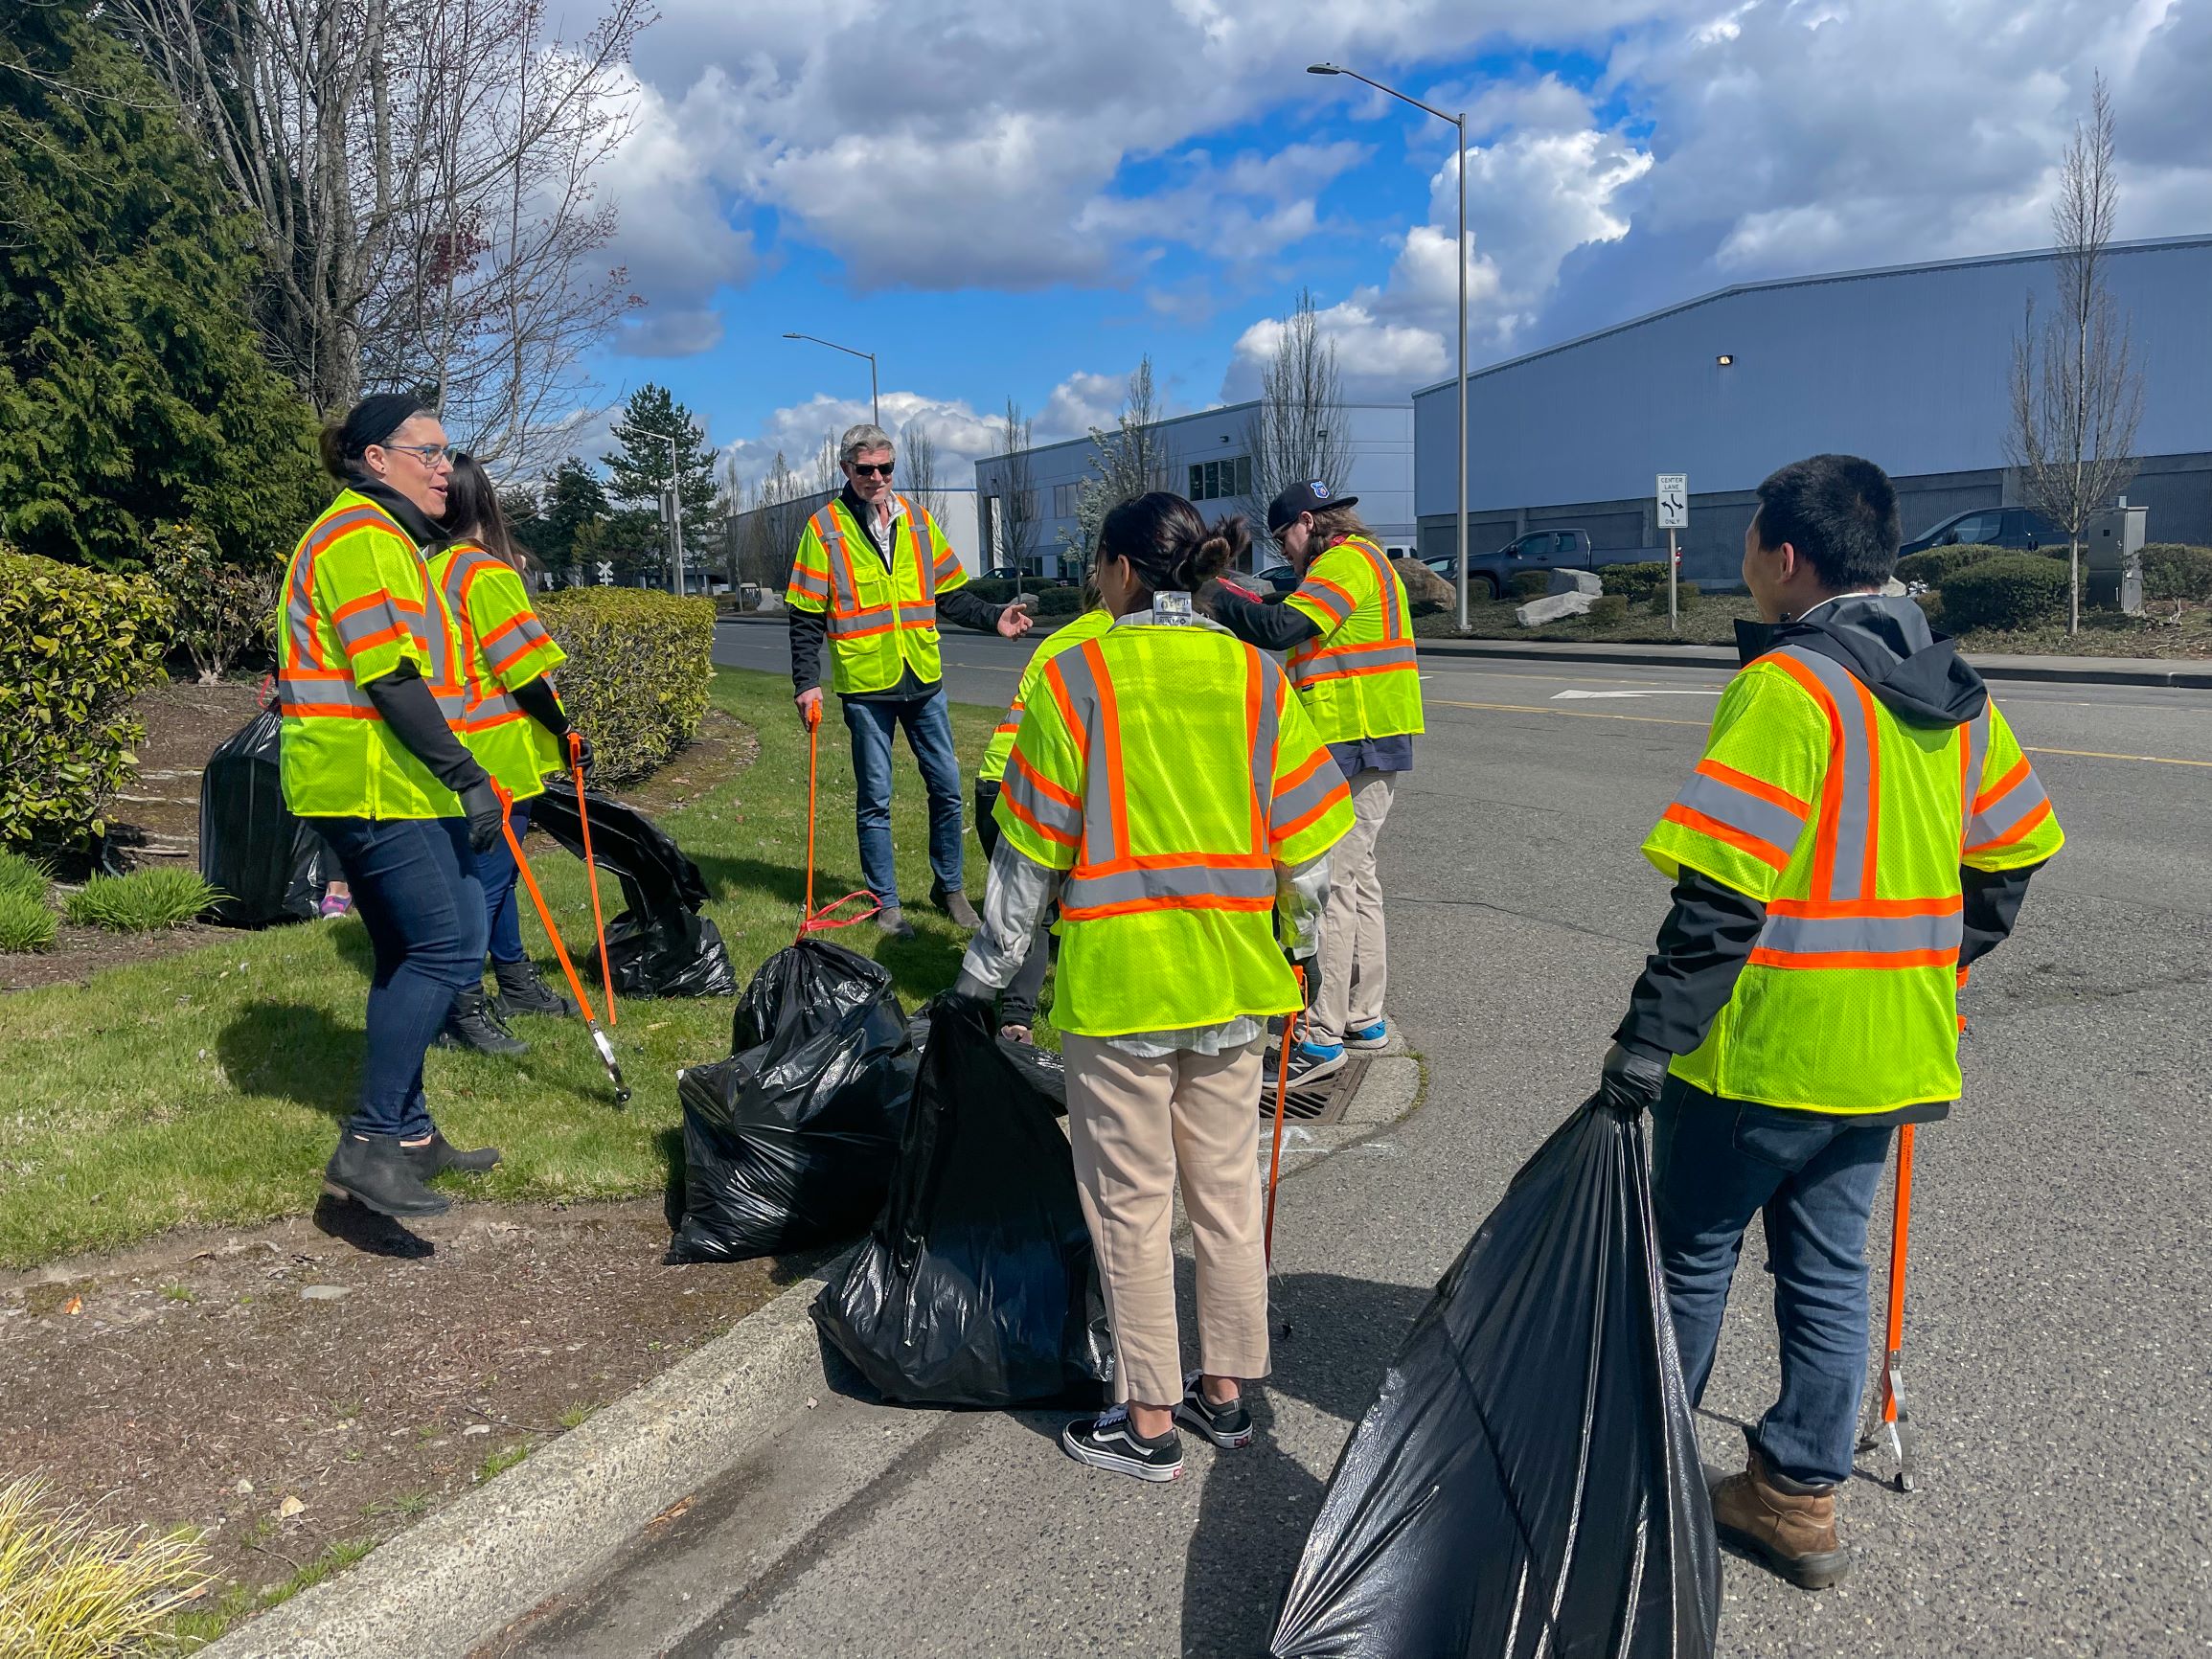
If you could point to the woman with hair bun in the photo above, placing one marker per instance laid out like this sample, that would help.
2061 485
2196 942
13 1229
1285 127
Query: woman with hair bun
368 688
1165 789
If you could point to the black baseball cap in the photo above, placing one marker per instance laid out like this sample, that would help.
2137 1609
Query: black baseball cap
1312 497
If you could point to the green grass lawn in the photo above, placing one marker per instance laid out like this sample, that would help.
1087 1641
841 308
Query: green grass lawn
206 1089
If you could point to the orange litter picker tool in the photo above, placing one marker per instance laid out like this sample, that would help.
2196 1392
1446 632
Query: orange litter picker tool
599 1040
1282 1090
1886 1416
813 920
591 875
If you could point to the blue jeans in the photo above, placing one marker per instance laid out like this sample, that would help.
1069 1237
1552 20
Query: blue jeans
1716 1162
929 735
497 871
415 888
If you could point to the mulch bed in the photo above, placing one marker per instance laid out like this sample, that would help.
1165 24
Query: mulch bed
328 1379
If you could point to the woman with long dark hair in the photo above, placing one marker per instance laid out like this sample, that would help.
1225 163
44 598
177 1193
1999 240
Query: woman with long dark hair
1166 790
371 756
511 722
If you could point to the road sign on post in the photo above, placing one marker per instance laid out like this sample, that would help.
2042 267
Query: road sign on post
605 573
1673 516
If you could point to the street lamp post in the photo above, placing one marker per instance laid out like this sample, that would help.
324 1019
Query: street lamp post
1460 122
675 510
874 405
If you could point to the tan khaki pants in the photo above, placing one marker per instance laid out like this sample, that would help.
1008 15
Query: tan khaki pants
1135 1124
1355 963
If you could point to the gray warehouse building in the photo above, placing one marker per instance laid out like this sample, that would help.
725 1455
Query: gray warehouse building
1908 366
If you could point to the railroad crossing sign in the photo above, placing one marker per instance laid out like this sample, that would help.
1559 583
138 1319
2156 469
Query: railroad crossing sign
605 572
1674 501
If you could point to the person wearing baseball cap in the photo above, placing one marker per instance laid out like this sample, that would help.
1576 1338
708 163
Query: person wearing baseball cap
1347 638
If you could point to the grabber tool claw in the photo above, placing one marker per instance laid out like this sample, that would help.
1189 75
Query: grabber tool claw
591 875
1887 1421
599 1040
813 920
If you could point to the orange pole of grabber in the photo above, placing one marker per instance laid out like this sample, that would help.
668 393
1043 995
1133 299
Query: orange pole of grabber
813 760
1893 1420
1282 1090
591 873
601 1042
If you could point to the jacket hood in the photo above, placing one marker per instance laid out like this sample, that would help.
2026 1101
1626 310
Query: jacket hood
1888 646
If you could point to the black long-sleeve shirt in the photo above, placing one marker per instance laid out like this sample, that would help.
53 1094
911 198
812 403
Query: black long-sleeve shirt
809 629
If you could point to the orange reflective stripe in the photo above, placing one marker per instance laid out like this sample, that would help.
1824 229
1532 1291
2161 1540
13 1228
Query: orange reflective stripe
1854 959
1832 784
1304 820
1772 794
1258 729
1872 732
1867 908
1766 851
2004 786
1110 750
2019 832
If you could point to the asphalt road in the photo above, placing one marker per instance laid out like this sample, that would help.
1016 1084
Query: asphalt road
2059 1331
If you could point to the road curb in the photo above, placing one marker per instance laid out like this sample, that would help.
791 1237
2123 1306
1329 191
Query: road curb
2087 671
470 1572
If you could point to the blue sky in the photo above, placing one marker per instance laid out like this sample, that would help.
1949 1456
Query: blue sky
1024 204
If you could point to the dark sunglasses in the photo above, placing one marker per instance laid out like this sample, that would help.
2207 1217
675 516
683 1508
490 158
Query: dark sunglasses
870 469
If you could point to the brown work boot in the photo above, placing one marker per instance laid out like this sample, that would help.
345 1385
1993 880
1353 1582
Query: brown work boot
1788 1526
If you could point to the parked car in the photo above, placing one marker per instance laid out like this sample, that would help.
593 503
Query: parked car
1489 574
1990 527
1008 573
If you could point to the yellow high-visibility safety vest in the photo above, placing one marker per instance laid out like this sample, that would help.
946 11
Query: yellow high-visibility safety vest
1851 826
1358 679
1089 625
503 646
880 621
358 602
1170 771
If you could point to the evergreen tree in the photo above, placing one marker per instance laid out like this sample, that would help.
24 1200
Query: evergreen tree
640 472
132 390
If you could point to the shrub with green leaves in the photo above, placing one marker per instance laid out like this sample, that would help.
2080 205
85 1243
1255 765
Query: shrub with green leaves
2175 570
143 901
26 923
639 663
1608 610
75 645
1938 563
1638 581
2012 590
24 878
1058 602
224 610
1528 584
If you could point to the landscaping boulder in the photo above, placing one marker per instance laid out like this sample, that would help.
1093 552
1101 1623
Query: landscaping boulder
1576 581
1423 586
1553 607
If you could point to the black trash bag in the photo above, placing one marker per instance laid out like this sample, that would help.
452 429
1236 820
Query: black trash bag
791 1141
1044 1068
268 865
977 1286
659 946
1527 1481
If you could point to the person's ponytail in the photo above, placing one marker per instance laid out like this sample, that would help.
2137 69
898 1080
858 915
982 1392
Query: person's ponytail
1167 546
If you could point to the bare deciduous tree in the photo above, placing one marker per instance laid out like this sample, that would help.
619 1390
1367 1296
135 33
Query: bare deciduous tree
2076 397
421 182
918 469
1018 518
1297 433
1130 460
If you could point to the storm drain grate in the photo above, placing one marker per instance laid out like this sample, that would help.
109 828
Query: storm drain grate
1324 1102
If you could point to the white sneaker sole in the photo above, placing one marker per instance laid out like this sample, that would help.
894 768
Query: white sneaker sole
1114 1462
1367 1045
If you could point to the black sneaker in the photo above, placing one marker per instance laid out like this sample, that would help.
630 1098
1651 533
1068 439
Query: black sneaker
377 1173
438 1154
1228 1427
1109 1440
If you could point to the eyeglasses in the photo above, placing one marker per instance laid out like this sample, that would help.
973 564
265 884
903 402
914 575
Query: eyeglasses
869 469
429 454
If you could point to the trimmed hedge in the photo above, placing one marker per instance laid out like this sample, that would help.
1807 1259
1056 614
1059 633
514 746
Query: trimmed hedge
76 646
2011 590
1938 563
639 663
1608 610
1636 581
2175 570
1528 584
1055 601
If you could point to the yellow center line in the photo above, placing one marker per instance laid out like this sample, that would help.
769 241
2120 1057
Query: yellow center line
1569 714
2100 755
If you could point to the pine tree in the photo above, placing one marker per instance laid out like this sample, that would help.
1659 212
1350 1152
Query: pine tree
568 510
132 389
638 474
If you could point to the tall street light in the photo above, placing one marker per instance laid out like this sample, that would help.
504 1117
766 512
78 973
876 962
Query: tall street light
875 409
675 506
1460 122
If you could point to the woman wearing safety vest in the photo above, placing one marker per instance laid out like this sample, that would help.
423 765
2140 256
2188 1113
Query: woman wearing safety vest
369 690
1018 1007
511 722
1166 790
1348 639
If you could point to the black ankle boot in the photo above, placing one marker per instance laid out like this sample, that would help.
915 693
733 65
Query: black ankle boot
471 1025
438 1154
522 992
377 1173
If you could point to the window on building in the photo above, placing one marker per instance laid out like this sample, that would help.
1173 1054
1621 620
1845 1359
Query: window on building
1219 480
1063 500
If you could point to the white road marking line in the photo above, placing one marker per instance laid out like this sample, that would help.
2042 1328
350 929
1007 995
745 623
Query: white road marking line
1654 692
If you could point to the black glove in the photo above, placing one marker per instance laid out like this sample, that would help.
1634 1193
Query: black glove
1630 1082
582 754
482 805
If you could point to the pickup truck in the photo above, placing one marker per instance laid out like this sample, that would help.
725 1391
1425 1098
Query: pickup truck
1491 574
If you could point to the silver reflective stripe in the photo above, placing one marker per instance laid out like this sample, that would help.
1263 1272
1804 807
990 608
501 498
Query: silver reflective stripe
878 618
1854 827
918 538
810 582
1875 934
364 624
1054 815
1725 803
1074 670
831 536
1265 738
1976 758
494 709
337 691
1168 888
1324 665
2006 812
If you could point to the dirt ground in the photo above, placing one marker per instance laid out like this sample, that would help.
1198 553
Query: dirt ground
326 1380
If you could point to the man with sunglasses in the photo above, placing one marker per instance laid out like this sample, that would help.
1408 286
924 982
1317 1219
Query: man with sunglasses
872 575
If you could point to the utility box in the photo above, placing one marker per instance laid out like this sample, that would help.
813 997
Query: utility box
2114 557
